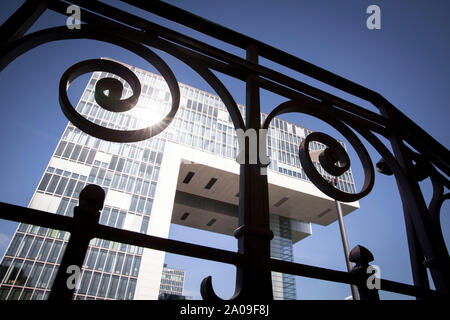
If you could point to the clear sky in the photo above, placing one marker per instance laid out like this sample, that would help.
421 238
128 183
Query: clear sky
407 61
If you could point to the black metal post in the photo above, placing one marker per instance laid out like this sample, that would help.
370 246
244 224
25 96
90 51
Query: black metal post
416 256
361 257
254 234
422 238
86 217
417 259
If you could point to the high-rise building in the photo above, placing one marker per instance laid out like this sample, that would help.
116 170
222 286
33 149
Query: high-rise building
186 175
172 283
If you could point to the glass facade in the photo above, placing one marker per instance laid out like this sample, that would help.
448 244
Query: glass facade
172 281
283 285
129 174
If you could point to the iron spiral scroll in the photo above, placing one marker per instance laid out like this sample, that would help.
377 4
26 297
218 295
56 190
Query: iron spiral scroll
112 101
334 158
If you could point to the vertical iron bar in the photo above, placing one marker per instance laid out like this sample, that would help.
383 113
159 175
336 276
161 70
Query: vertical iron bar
345 245
21 20
254 280
417 219
416 256
86 217
361 257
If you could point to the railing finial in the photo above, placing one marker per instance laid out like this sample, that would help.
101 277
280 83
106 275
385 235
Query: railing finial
86 216
92 197
361 257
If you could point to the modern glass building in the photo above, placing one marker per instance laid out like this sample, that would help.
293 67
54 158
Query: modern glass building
186 175
172 282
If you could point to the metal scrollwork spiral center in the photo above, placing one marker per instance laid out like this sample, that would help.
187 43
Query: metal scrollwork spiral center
335 161
112 101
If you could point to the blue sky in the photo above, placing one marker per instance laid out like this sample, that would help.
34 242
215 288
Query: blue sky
406 61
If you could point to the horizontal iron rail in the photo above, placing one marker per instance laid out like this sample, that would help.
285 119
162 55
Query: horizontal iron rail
351 118
64 223
237 39
345 277
54 221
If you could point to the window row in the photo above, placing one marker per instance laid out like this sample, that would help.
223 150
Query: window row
141 169
186 120
134 185
173 271
282 145
112 245
297 174
30 247
284 157
106 286
17 293
172 282
112 217
108 119
164 288
112 262
75 152
148 97
279 134
26 273
44 232
131 150
60 185
141 205
206 145
201 108
66 173
200 96
69 187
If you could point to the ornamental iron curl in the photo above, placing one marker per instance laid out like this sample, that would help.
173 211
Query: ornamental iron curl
332 154
423 170
112 101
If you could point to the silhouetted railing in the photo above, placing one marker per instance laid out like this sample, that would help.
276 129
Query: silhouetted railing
415 154
84 227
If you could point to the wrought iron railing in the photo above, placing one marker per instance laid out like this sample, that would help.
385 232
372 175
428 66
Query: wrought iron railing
415 155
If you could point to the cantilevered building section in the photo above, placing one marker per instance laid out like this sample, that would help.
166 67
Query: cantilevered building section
186 175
